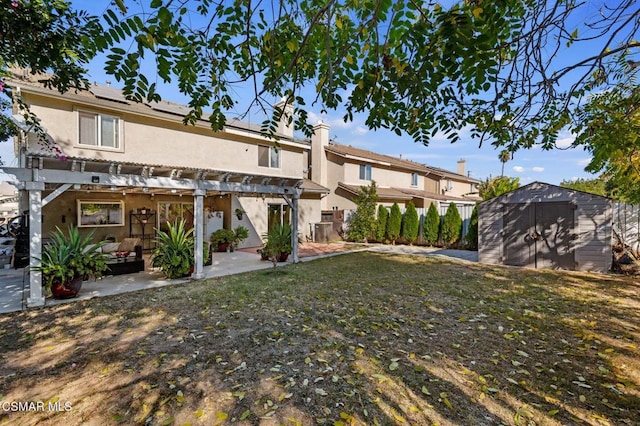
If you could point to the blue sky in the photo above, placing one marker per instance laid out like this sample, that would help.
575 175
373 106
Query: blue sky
529 165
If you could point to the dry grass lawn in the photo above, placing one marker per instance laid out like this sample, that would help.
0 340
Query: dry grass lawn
360 338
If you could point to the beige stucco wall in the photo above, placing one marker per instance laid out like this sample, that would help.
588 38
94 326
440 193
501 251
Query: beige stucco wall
255 219
458 188
383 176
154 141
432 184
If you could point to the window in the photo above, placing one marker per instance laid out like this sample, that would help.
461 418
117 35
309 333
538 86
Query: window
170 212
268 156
414 179
365 172
99 130
100 213
278 214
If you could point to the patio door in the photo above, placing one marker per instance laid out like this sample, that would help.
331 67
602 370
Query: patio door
539 235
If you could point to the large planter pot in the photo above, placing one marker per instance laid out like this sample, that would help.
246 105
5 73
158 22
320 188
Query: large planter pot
282 257
67 290
223 247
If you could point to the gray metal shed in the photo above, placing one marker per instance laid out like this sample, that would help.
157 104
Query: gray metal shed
541 225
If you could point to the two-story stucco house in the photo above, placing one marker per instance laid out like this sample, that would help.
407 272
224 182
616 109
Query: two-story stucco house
345 169
124 169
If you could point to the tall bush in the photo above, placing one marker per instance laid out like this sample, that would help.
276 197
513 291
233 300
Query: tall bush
381 226
394 224
451 225
472 233
410 224
362 224
431 225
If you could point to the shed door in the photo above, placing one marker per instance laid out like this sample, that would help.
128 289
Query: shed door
539 235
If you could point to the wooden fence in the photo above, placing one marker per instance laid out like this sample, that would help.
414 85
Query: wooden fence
626 223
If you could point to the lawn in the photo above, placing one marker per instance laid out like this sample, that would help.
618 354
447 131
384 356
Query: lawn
361 338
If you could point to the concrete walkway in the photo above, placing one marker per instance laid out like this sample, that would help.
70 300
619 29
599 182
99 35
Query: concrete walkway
14 284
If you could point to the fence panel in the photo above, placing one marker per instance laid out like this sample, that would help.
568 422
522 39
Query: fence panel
626 223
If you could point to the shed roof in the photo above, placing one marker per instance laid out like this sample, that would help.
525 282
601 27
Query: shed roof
536 189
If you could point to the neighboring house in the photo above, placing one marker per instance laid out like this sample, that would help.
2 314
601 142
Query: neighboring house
8 202
345 169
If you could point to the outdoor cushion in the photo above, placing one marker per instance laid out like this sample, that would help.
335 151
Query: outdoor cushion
110 247
129 244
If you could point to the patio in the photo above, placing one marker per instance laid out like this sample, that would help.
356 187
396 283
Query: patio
14 284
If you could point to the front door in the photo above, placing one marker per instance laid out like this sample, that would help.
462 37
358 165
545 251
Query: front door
539 235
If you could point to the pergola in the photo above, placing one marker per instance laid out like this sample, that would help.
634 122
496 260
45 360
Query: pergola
45 173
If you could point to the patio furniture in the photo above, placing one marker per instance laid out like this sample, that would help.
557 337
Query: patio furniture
124 257
125 266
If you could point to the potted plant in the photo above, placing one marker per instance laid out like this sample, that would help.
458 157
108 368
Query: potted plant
240 233
239 212
174 251
222 239
69 259
278 245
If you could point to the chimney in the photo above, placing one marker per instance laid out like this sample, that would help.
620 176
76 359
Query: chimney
462 163
284 127
319 141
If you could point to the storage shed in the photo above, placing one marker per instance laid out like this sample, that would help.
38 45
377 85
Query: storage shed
541 225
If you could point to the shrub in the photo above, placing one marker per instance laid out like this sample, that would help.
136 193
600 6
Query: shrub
410 224
394 224
431 225
174 251
381 226
472 233
362 224
451 225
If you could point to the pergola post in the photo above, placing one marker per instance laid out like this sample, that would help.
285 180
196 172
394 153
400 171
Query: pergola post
198 195
294 225
35 243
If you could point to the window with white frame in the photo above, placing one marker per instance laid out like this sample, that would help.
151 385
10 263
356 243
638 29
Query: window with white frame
268 156
99 130
365 172
414 179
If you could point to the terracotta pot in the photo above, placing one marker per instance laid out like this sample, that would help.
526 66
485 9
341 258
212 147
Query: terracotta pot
223 247
67 290
282 257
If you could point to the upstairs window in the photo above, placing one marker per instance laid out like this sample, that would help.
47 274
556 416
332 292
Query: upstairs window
99 130
414 179
268 156
365 172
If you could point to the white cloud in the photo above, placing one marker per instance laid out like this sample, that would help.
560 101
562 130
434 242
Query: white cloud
538 169
564 142
360 130
565 139
518 169
583 162
337 122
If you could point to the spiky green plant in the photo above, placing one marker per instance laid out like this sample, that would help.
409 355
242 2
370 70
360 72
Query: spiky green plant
68 256
174 250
